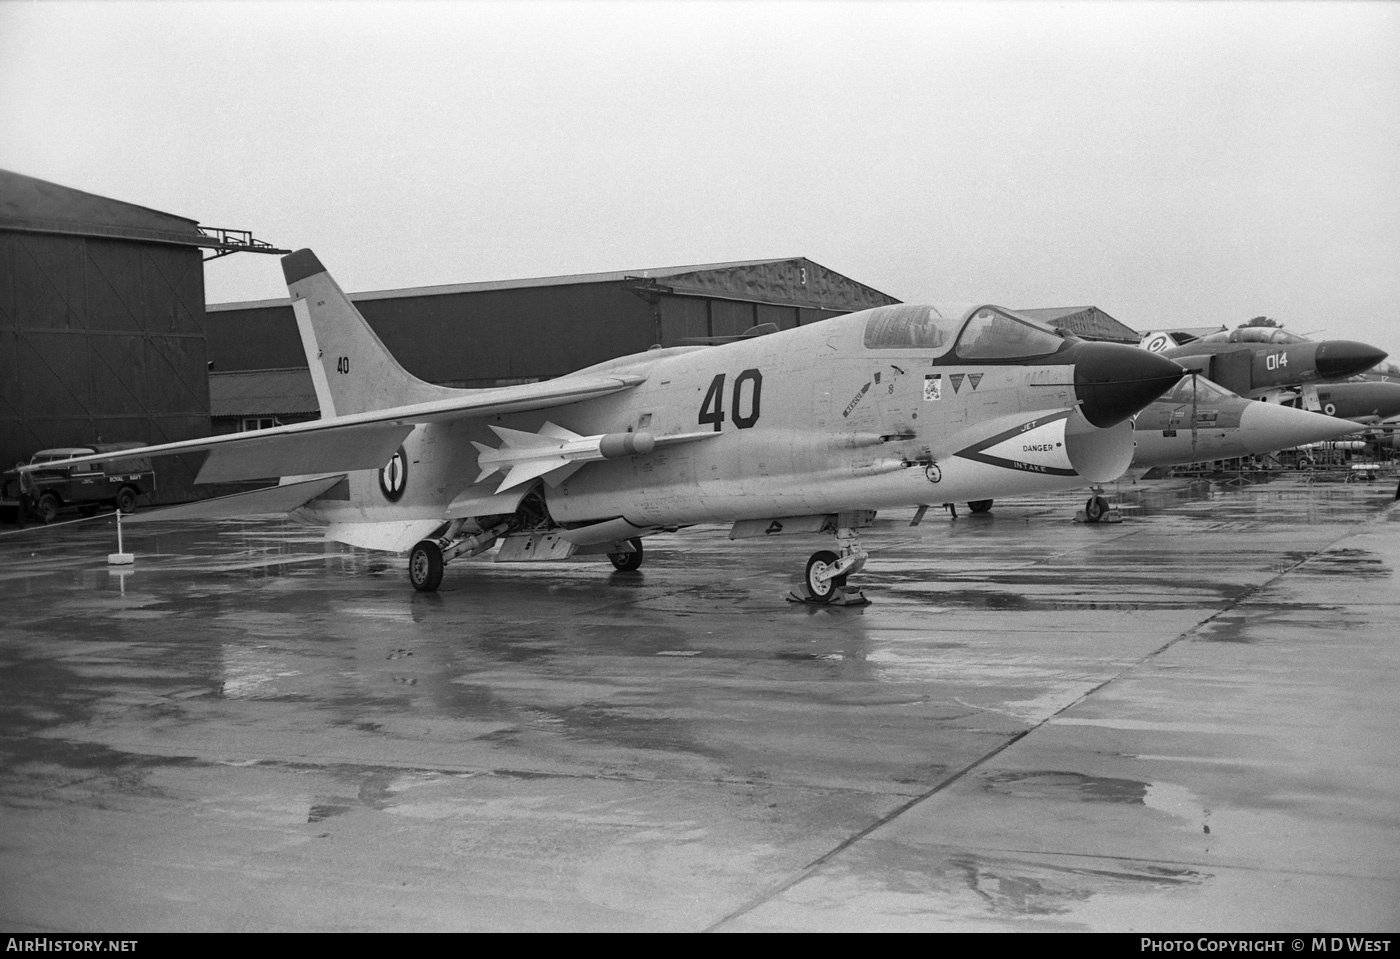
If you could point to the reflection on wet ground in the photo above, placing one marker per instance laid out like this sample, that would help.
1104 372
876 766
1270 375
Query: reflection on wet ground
1183 719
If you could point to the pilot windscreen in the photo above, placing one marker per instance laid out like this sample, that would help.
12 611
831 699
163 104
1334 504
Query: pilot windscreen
992 335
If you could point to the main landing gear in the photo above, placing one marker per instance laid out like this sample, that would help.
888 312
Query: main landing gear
425 566
825 581
628 562
428 557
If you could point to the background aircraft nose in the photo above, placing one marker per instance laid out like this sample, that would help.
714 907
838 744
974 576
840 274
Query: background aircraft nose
1337 358
1268 427
1114 381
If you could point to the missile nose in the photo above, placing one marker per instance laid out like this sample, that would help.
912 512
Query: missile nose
1114 381
1338 358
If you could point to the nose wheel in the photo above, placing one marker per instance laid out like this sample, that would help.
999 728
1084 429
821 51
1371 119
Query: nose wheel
1097 510
824 583
820 583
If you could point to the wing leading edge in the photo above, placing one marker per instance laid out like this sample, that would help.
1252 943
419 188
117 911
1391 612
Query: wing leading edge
362 440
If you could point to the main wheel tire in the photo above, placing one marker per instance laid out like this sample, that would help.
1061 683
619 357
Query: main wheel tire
980 506
425 566
47 507
823 590
1095 509
126 499
628 562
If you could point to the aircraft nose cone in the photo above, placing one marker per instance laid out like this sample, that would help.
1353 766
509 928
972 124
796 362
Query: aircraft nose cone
1338 358
1114 381
1266 427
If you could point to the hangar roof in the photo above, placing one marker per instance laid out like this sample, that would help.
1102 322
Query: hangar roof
35 205
1088 322
31 205
767 281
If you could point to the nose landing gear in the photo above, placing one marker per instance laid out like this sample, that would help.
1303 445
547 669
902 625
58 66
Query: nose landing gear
1097 510
824 583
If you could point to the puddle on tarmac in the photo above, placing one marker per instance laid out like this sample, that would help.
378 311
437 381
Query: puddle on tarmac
1065 785
1352 563
1026 888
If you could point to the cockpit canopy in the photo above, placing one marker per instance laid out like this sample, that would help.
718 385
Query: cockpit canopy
1197 389
979 332
1255 334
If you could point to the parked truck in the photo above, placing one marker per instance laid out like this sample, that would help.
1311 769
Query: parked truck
87 488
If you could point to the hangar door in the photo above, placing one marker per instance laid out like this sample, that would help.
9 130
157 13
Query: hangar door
101 339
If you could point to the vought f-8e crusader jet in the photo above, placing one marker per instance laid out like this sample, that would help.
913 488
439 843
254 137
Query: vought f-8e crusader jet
807 430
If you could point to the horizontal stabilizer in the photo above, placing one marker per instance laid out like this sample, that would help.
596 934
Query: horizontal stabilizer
274 499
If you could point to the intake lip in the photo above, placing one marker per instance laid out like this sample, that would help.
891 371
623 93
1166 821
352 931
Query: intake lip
1113 381
1338 358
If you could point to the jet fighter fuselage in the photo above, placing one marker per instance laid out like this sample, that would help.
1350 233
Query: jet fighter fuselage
817 420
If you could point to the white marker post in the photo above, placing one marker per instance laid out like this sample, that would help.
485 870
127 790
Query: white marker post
120 558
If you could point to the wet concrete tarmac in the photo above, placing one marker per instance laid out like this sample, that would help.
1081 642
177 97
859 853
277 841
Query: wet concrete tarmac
1183 722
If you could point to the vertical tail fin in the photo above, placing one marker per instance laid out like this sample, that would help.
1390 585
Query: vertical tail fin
352 370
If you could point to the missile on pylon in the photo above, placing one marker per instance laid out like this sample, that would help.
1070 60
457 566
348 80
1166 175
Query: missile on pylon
554 453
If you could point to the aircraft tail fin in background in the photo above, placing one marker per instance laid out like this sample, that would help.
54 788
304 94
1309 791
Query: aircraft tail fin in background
1159 341
352 370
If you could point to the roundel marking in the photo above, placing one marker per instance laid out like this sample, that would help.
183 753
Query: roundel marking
1157 344
933 473
393 477
1330 409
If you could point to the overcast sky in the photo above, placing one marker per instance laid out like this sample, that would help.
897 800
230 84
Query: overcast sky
1174 163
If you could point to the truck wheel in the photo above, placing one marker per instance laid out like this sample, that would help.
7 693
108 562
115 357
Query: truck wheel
126 500
47 507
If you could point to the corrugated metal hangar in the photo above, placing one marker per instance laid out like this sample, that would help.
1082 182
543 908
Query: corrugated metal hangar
102 334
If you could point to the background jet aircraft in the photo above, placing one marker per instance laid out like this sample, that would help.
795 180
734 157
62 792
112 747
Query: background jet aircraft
806 430
1359 399
1253 360
1336 377
1197 420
